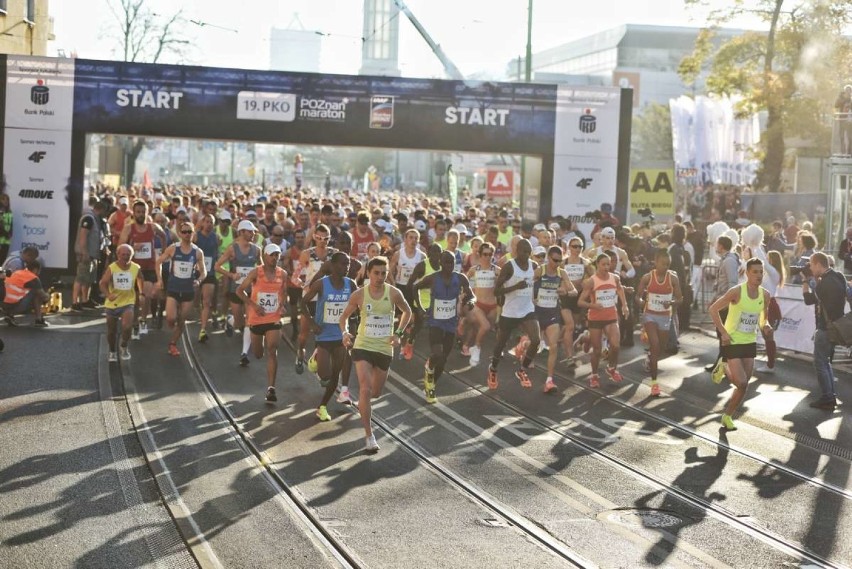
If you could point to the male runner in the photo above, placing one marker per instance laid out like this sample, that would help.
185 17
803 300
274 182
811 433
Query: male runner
578 269
208 241
446 288
312 260
551 282
483 277
140 235
120 283
187 272
372 350
599 296
431 264
268 284
344 243
658 291
332 294
748 313
402 266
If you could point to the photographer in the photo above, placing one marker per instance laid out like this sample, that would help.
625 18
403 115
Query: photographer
829 298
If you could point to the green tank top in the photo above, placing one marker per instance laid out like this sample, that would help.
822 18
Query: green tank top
225 240
376 327
745 317
426 293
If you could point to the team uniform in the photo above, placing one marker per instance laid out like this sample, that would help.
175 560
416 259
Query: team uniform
242 264
547 308
374 331
265 292
182 273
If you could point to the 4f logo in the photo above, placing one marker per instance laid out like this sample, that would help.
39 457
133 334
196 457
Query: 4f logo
37 156
584 183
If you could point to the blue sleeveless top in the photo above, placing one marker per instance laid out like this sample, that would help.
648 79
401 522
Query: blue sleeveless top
242 264
210 249
182 271
330 305
443 311
546 294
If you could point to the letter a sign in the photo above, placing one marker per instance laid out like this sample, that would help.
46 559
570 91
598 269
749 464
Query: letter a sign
500 184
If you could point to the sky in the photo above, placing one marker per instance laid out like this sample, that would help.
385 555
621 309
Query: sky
480 36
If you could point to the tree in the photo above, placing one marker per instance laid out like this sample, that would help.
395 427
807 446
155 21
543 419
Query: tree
652 135
145 36
791 71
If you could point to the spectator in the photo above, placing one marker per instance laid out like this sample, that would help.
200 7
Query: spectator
792 230
5 227
829 300
87 248
844 252
24 290
726 278
776 240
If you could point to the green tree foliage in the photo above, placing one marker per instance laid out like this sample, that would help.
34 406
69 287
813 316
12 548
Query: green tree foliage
792 71
652 135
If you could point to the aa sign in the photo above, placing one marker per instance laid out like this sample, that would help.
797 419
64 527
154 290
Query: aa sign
500 184
652 189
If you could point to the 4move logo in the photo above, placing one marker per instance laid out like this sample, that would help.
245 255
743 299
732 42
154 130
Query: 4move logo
36 194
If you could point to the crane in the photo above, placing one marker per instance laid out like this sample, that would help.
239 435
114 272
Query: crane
449 67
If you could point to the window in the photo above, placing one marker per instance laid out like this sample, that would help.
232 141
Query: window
30 16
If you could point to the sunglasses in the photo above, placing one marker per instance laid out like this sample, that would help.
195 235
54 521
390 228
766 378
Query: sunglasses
318 238
186 232
278 235
576 246
556 259
275 254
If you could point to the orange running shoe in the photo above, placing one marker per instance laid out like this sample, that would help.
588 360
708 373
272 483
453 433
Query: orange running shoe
408 351
173 351
522 376
614 374
521 348
492 378
655 389
594 381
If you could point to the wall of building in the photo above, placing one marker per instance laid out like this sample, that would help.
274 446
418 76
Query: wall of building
20 36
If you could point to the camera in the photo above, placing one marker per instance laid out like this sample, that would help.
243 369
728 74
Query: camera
646 212
596 215
804 271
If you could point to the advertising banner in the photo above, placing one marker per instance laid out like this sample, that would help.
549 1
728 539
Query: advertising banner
499 184
797 327
37 153
652 189
582 183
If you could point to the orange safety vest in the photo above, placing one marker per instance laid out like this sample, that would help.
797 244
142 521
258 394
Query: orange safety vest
16 285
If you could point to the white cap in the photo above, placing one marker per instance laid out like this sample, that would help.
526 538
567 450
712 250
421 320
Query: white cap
540 250
539 227
281 209
420 225
246 225
251 213
159 197
156 210
225 215
554 226
462 229
181 209
271 248
123 200
608 232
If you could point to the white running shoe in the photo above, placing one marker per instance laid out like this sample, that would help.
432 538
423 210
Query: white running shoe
475 353
125 353
763 368
143 327
344 396
372 446
113 357
134 335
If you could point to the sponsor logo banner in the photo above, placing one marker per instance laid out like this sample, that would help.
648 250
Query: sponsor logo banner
381 111
797 327
652 188
582 183
587 121
266 106
39 92
499 184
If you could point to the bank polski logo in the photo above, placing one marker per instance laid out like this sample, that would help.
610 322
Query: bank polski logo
40 93
588 122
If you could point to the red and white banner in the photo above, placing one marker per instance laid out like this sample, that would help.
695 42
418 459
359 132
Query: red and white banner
500 184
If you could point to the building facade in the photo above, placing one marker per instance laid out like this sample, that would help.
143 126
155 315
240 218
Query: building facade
380 39
26 27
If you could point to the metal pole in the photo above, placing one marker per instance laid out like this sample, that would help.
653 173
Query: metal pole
527 78
233 145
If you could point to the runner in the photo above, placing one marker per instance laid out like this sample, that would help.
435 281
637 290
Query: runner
344 242
431 264
187 272
515 282
312 260
551 282
578 269
446 287
332 295
226 235
208 241
140 235
120 283
372 350
748 306
402 266
295 270
242 256
599 295
268 284
658 291
483 317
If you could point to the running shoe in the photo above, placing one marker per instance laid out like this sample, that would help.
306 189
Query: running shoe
90 304
10 320
719 372
125 353
40 323
322 414
143 328
465 351
549 385
371 446
300 366
430 393
647 363
313 364
270 394
655 389
134 335
202 336
244 361
594 381
523 377
229 327
76 307
173 350
492 378
728 423
521 348
408 350
475 353
343 397
113 357
614 374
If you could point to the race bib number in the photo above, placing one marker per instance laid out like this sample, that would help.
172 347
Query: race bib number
143 250
575 272
182 269
378 326
656 302
405 274
748 322
547 298
527 291
268 301
606 298
208 264
242 273
122 280
443 309
485 279
332 311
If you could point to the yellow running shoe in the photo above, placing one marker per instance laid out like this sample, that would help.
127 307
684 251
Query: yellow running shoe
313 365
728 423
322 414
719 372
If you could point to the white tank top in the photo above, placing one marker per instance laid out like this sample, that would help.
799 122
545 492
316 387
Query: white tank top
519 303
617 268
406 265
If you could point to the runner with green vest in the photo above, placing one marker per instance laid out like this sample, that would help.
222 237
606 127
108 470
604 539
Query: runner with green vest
372 350
431 264
747 305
